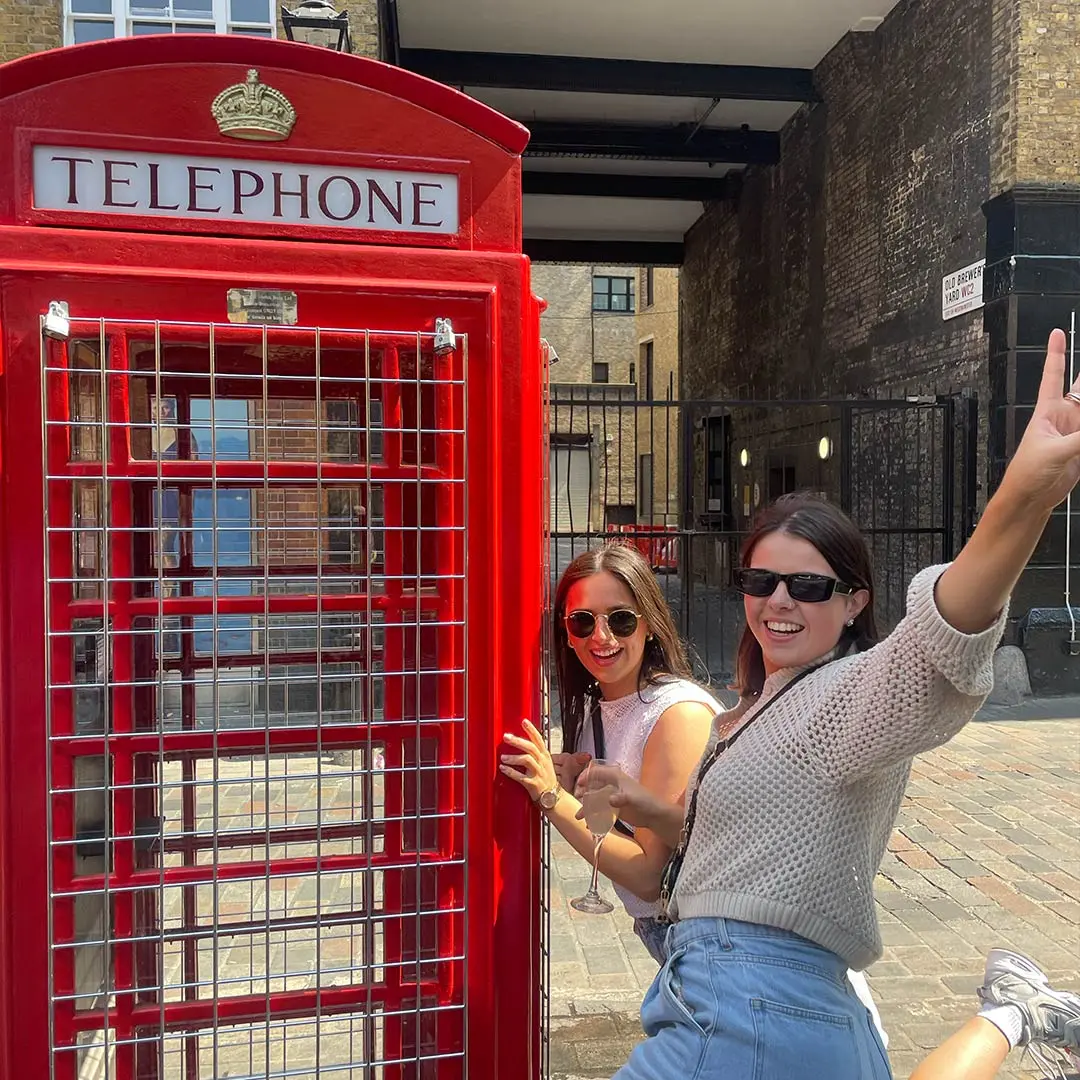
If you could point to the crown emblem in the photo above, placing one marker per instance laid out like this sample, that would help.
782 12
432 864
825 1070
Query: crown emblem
253 110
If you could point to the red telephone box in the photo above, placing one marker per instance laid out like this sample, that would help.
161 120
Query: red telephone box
271 569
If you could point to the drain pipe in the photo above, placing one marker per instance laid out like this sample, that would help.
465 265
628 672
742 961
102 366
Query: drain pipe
1073 644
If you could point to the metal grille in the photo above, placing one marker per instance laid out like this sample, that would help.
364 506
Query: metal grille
551 735
256 699
683 479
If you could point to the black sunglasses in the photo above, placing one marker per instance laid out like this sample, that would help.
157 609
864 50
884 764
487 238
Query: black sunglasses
807 588
622 622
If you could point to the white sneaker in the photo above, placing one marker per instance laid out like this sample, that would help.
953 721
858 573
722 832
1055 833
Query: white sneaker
1051 1018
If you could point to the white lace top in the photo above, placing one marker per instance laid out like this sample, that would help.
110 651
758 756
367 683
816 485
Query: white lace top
628 723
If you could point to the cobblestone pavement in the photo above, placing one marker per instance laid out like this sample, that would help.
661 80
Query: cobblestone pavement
986 852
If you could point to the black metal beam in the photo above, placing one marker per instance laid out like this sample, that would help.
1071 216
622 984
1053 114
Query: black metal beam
528 71
389 37
606 252
620 186
678 143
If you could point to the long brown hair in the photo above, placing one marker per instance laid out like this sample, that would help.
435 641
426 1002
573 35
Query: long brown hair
821 523
664 654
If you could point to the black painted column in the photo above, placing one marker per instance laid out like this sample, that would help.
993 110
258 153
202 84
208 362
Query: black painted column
1032 285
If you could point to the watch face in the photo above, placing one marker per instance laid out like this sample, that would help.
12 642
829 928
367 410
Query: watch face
548 799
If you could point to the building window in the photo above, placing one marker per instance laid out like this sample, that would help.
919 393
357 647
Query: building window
599 373
647 299
717 469
620 514
613 294
94 20
645 487
633 374
647 371
781 479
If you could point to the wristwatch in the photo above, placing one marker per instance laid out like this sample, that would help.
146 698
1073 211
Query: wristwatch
546 800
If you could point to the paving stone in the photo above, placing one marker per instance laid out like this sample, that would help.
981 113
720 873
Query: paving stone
604 959
1069 910
1037 890
562 948
1031 864
899 935
949 945
895 900
964 868
888 969
597 930
946 910
916 959
1013 879
923 922
965 984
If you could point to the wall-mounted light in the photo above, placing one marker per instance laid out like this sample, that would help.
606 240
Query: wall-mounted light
744 457
825 448
318 22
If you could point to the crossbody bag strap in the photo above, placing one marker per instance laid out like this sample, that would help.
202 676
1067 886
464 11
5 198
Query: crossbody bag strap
674 864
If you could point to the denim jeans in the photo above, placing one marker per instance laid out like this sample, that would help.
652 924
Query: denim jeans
653 935
739 1001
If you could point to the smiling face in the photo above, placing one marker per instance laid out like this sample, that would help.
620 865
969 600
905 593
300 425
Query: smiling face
793 633
614 662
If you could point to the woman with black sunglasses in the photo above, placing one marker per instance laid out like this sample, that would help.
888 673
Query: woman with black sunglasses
770 889
626 696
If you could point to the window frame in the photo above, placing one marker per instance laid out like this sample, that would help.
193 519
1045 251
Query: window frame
606 293
597 364
645 368
646 500
122 18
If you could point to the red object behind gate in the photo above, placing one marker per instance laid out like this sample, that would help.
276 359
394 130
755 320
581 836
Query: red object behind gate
271 381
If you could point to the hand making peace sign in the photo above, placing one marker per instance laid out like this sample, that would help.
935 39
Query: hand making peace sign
1046 465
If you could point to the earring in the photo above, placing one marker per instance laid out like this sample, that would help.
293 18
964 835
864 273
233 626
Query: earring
851 622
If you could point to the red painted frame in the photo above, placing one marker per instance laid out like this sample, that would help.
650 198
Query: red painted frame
110 268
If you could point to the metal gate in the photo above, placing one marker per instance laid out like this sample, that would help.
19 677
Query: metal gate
256 702
682 481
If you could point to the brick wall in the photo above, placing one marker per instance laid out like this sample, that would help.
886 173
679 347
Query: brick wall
1047 92
364 27
823 279
624 437
28 26
580 335
1033 269
659 429
825 276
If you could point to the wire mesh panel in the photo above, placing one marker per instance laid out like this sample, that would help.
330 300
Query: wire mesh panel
255 560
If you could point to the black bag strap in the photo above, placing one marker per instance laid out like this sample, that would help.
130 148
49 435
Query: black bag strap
674 864
598 751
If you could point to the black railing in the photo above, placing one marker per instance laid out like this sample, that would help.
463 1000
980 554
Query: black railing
683 479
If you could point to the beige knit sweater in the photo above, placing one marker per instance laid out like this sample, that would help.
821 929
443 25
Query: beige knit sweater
793 819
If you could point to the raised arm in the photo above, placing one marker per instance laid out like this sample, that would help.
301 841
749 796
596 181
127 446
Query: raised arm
917 689
1044 469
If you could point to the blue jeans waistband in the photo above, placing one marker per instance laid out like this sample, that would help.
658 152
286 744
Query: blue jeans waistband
731 933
